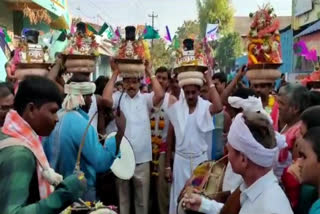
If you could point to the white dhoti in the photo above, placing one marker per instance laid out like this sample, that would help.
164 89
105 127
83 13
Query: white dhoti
183 166
193 135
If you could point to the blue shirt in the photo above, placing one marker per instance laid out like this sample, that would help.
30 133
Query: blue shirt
62 146
315 209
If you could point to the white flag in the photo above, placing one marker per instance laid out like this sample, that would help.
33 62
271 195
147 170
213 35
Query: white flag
212 32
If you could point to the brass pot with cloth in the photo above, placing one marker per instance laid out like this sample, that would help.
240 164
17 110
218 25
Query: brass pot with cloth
80 63
131 55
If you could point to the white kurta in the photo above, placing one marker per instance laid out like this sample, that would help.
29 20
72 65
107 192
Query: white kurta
193 132
265 196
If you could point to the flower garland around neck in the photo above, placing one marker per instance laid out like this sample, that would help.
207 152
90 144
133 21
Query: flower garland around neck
271 102
157 123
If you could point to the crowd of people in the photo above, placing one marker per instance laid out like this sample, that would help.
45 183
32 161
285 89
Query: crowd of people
272 140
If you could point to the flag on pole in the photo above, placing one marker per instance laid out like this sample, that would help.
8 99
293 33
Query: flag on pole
168 36
212 32
117 33
103 28
140 29
107 31
175 43
300 48
6 35
90 30
150 33
73 29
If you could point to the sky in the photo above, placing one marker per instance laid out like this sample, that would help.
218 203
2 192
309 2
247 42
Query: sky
170 12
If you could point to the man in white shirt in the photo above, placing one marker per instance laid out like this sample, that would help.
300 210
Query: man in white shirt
252 151
191 118
136 108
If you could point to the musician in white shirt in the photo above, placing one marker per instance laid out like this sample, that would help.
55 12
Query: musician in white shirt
252 153
136 107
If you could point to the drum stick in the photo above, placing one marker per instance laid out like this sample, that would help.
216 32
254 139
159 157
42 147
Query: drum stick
83 140
84 203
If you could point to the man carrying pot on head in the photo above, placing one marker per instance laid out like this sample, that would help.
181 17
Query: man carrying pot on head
136 108
191 117
63 144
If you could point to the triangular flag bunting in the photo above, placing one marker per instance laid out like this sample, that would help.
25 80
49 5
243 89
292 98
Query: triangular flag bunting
168 36
103 28
151 33
91 29
175 43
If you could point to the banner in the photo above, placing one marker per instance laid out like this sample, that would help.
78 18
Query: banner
212 32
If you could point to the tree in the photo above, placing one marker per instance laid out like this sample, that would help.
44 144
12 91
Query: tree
215 11
189 29
228 49
160 54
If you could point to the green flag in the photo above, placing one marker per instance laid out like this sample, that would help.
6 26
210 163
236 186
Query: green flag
106 30
6 36
103 28
90 28
150 33
175 43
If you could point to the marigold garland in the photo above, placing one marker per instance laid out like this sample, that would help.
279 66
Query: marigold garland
157 124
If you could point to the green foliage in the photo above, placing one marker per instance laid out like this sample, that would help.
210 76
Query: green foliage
228 49
160 54
189 29
215 11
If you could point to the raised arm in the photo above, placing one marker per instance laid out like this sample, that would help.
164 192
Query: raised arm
108 90
52 75
54 72
233 84
157 89
214 97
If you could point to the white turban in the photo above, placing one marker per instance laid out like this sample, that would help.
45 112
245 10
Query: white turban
190 78
241 139
251 104
75 92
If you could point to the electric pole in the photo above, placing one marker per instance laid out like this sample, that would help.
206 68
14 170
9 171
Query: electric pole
152 17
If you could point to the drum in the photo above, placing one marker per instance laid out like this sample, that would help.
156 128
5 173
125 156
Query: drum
103 211
207 179
123 166
85 210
